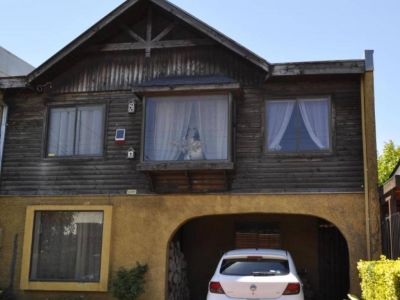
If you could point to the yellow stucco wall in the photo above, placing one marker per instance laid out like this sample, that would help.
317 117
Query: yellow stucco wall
143 224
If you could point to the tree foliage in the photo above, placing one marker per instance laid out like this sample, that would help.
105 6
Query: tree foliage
387 161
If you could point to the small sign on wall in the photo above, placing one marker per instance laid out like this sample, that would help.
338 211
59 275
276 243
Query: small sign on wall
120 136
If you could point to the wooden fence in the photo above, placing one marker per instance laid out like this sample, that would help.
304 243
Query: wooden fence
391 236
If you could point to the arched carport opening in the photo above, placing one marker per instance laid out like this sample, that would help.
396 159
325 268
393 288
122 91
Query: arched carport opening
318 248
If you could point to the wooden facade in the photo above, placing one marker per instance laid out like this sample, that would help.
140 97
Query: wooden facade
150 47
26 170
112 78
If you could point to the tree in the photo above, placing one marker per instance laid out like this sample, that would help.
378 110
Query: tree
387 161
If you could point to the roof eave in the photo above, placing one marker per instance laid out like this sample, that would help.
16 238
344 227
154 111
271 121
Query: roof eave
332 67
201 26
16 82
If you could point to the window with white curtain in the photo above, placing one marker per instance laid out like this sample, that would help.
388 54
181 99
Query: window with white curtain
66 246
76 131
298 125
180 128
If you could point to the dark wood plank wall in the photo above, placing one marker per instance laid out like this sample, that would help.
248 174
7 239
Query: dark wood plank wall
121 71
340 171
26 171
108 78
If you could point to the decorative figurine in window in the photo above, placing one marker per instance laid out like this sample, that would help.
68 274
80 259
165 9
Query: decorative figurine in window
193 147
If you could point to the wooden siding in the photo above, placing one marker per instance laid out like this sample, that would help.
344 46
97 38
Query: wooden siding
340 171
122 71
26 171
109 78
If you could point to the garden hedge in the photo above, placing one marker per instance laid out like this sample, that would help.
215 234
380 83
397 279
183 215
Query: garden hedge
380 280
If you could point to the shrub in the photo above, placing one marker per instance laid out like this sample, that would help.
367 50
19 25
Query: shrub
129 283
7 294
380 279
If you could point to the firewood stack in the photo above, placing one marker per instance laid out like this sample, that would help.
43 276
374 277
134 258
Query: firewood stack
178 285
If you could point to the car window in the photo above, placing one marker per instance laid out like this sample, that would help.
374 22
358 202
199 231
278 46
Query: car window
254 267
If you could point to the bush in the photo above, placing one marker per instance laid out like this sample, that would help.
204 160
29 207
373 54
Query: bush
7 294
129 283
380 279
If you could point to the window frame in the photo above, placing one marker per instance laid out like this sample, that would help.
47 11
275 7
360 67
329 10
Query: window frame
302 153
75 105
54 285
188 164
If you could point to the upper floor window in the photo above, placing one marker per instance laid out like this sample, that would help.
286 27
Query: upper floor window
76 131
298 125
187 128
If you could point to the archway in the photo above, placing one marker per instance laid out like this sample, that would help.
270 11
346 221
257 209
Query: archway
317 246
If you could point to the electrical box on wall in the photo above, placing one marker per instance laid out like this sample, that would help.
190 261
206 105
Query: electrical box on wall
120 136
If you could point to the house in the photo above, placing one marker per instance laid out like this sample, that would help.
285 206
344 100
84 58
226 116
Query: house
10 66
390 214
152 137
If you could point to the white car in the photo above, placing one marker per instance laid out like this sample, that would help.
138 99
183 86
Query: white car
255 274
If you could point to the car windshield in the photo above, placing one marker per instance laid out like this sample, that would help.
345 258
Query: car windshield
254 267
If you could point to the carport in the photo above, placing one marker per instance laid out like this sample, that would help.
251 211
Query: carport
317 246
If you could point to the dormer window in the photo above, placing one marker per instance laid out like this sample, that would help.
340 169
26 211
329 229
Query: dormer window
187 128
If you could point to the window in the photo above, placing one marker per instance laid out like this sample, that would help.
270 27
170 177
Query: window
76 131
255 267
187 128
68 246
298 125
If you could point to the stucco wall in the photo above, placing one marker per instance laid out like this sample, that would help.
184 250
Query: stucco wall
143 225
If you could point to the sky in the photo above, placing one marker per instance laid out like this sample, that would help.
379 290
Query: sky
277 30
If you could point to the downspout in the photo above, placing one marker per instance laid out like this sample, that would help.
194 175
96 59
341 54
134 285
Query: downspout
369 67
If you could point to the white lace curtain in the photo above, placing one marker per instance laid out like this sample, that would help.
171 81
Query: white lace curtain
314 114
186 127
279 114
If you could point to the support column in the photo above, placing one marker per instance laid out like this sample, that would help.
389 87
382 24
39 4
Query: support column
372 205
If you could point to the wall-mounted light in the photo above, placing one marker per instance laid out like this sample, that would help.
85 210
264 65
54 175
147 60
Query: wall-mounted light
131 153
132 104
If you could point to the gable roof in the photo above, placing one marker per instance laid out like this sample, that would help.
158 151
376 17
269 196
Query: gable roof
171 8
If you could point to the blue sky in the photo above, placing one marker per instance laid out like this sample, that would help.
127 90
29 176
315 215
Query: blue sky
279 31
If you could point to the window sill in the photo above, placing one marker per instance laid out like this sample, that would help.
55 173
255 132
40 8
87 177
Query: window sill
185 166
306 154
73 158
